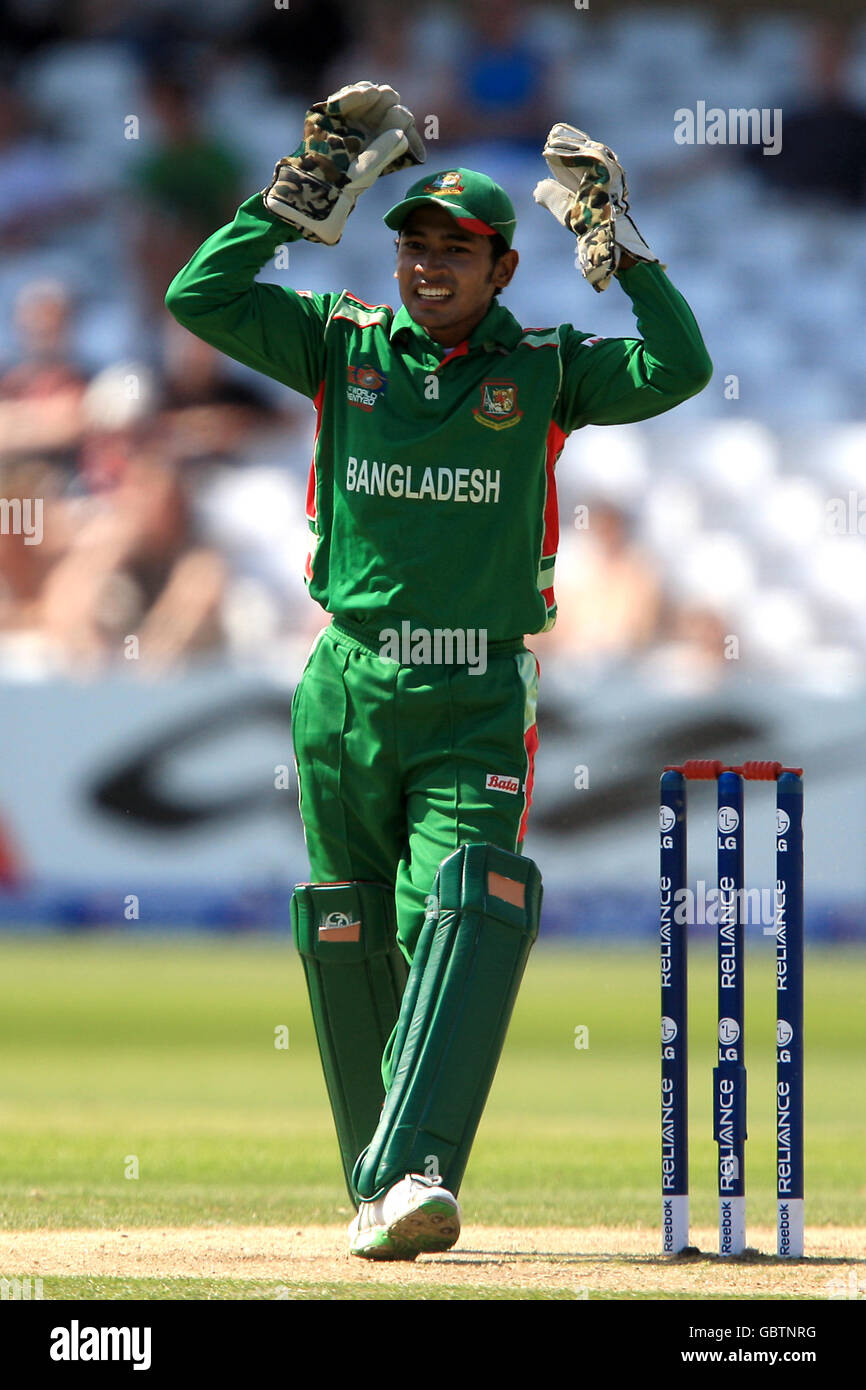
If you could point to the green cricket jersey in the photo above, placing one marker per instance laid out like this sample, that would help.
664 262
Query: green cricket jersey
432 493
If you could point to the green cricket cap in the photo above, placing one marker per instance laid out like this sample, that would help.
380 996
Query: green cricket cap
474 200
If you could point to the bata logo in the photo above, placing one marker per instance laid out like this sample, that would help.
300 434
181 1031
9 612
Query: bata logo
496 783
498 409
338 926
364 386
445 183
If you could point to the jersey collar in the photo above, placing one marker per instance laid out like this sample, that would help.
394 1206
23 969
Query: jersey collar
498 329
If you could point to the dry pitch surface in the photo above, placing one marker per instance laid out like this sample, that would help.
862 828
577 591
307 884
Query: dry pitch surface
601 1260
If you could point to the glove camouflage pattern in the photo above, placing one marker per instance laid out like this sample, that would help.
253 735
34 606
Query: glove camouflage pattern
351 138
588 195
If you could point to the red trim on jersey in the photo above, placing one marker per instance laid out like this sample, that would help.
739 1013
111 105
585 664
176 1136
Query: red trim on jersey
535 346
358 300
347 318
375 308
318 403
530 743
459 351
555 440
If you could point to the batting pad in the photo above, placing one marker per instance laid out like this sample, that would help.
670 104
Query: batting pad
346 936
456 1008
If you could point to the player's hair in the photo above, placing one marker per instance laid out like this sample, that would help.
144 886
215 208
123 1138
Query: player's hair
498 247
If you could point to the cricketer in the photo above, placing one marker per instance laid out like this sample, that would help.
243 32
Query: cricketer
433 519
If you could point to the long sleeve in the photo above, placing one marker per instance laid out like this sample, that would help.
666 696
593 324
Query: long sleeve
614 381
275 330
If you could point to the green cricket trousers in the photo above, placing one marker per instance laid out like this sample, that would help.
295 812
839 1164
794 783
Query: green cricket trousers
399 764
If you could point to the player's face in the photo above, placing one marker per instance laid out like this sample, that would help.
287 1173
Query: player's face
446 274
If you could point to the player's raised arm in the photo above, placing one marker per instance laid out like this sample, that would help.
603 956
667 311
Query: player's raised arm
617 380
349 140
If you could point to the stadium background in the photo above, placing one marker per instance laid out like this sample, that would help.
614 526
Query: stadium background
709 605
711 599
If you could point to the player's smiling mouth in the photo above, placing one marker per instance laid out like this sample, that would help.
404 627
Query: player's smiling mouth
432 293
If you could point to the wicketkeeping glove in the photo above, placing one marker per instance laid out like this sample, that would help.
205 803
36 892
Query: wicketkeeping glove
589 196
357 134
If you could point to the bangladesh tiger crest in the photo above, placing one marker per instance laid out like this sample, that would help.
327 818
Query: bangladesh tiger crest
444 184
364 386
498 409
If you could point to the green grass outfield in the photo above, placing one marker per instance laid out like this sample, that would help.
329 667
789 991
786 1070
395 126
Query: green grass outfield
158 1057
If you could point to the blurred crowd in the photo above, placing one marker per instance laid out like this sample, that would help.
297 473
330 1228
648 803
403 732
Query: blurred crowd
170 482
141 504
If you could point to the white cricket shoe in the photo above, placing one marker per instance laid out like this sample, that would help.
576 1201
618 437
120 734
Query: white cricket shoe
417 1216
